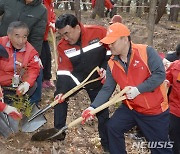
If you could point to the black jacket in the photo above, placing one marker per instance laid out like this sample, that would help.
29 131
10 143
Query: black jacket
33 14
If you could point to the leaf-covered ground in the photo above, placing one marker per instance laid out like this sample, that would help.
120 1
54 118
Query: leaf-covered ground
83 139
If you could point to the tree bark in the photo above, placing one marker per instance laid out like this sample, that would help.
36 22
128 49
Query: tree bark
77 10
72 5
66 5
146 9
128 4
84 6
174 11
161 10
98 9
151 22
139 9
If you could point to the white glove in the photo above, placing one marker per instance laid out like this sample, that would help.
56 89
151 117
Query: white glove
52 25
87 115
102 74
132 92
23 88
12 111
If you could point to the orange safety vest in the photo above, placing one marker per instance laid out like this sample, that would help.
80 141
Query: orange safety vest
150 103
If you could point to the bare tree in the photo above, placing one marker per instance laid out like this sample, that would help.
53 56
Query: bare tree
174 11
139 9
98 9
128 4
72 5
66 5
77 10
146 3
151 22
160 10
121 3
84 6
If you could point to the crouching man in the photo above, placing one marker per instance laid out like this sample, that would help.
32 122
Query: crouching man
20 70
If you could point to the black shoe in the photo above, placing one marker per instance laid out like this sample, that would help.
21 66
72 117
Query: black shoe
59 137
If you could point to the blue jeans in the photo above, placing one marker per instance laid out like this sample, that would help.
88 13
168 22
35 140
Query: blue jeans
36 96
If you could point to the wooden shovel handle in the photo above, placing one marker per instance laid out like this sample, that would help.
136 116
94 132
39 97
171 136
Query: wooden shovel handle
54 48
82 84
115 99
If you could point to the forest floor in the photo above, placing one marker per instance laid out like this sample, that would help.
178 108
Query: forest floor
83 139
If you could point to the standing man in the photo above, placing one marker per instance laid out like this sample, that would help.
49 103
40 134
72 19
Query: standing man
46 52
173 77
139 68
34 14
79 53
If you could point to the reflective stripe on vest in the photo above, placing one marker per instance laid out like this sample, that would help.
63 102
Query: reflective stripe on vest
73 52
68 73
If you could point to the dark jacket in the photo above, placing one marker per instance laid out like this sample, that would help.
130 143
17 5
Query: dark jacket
33 14
81 59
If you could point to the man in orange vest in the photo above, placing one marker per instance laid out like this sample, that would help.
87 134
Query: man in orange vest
139 68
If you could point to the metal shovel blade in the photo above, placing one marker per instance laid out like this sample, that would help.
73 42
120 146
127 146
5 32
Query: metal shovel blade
63 129
34 124
5 129
38 113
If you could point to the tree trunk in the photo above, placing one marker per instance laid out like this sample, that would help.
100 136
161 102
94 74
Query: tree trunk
77 10
66 5
174 11
139 9
146 9
98 9
72 5
84 6
114 11
151 22
161 10
122 4
128 4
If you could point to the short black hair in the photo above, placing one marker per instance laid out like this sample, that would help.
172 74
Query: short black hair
178 50
66 19
17 24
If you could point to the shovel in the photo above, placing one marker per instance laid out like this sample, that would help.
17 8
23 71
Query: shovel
29 127
8 125
40 136
82 84
54 48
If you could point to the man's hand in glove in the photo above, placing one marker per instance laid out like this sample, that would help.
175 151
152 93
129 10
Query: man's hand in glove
12 111
22 88
52 26
59 98
87 115
102 74
132 92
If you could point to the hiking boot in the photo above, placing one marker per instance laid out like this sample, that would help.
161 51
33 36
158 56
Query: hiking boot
49 84
44 85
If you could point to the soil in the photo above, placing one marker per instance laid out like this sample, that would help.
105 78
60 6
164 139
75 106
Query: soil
83 139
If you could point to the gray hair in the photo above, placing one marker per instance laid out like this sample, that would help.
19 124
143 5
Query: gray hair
17 24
